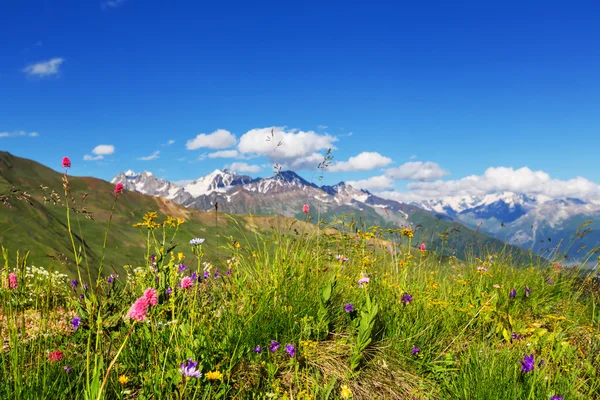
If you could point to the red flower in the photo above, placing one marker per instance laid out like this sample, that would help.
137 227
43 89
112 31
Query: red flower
305 209
66 163
118 188
55 356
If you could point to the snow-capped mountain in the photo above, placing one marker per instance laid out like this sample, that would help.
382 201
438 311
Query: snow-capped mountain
534 222
216 182
146 183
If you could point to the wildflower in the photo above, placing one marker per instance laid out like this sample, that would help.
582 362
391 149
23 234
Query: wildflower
305 209
139 310
66 162
482 269
180 256
217 274
118 188
75 322
497 286
196 241
349 307
290 349
55 356
406 298
257 349
415 350
422 246
527 363
513 292
74 283
527 291
516 336
407 232
67 368
186 283
194 276
86 287
151 296
123 379
341 258
81 296
229 272
345 393
12 281
169 291
206 274
182 267
550 281
274 346
556 398
363 280
214 375
188 369
112 277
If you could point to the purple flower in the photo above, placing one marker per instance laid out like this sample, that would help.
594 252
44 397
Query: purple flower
516 336
67 368
290 349
112 278
274 346
527 291
550 281
169 291
81 296
349 307
74 283
217 274
527 363
182 267
257 349
86 287
229 271
406 298
513 293
415 350
194 275
75 322
556 398
206 274
363 280
188 369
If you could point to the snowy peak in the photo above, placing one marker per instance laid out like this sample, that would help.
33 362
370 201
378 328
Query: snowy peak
283 181
146 183
344 193
218 181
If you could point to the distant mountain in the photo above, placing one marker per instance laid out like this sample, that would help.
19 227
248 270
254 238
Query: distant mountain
538 223
286 192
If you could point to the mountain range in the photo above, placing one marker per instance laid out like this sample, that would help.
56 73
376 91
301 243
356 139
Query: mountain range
543 225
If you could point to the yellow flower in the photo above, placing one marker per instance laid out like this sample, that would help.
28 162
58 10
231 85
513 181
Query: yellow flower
407 232
123 379
180 256
345 393
180 221
214 375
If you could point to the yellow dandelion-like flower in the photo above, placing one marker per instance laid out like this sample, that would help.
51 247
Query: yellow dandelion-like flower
123 379
214 375
180 221
408 232
345 393
180 256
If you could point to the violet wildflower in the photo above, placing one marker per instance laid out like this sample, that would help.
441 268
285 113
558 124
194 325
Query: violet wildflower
406 298
516 336
556 398
75 322
363 280
229 271
81 296
86 287
349 307
112 278
169 291
194 275
206 274
74 283
196 241
67 368
257 349
527 363
341 258
513 293
217 274
182 267
188 369
290 349
527 291
415 350
274 346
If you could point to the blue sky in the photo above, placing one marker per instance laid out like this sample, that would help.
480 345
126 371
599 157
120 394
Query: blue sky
459 87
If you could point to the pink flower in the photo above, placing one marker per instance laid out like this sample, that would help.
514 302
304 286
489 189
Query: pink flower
55 356
186 283
422 246
66 162
12 281
139 309
151 296
118 188
305 209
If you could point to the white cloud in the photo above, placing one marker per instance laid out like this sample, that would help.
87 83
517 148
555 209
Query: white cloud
412 157
152 156
44 68
417 170
501 179
219 139
295 144
243 167
99 152
224 154
170 142
374 183
365 161
18 133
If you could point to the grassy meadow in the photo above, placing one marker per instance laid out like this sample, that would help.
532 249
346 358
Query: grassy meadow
295 312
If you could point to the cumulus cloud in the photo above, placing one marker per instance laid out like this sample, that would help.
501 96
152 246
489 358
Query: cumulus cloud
374 183
501 179
18 133
99 152
285 146
365 161
152 156
243 167
219 139
223 154
44 68
417 170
